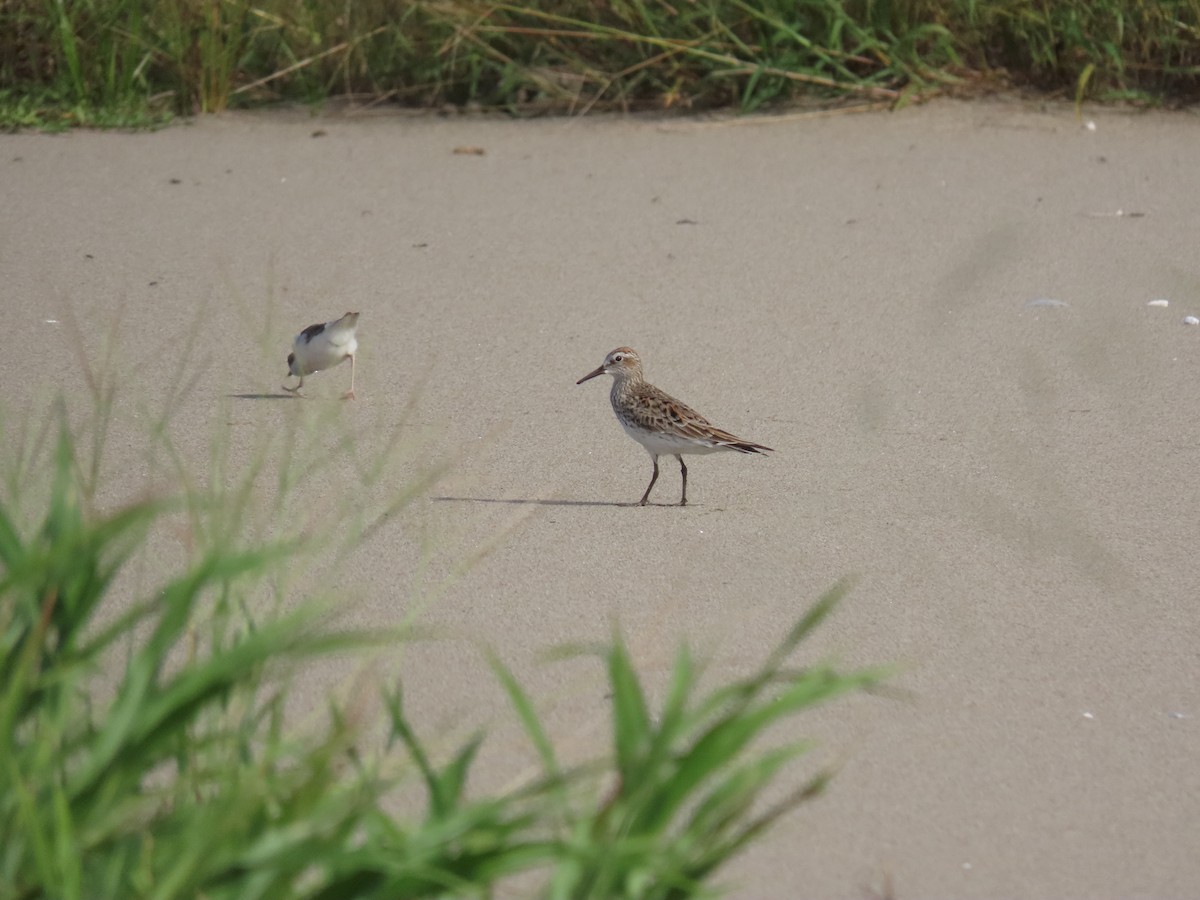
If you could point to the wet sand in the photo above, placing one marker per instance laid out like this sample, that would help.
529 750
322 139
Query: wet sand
1013 485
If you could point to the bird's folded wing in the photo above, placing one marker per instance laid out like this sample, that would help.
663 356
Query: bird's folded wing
661 412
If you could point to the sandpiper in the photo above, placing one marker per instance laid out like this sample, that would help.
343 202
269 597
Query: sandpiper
320 347
658 421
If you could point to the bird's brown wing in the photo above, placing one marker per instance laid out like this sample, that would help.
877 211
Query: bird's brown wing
659 411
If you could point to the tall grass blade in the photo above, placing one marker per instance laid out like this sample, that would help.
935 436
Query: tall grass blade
527 716
631 721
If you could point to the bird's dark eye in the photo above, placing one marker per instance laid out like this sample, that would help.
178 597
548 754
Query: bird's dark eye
618 358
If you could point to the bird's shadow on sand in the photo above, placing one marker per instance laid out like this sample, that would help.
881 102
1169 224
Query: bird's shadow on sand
264 397
531 502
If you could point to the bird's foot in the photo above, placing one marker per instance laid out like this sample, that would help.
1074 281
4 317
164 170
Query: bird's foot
349 395
295 390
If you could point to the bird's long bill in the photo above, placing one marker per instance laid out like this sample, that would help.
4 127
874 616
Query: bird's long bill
590 375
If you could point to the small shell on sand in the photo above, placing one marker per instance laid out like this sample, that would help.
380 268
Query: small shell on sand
1159 303
1191 320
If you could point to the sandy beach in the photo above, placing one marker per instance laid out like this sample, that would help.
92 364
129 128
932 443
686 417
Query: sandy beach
937 317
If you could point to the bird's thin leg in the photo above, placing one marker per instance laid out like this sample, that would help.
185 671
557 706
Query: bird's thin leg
349 395
683 469
296 389
653 478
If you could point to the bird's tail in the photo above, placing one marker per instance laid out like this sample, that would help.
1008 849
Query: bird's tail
733 442
747 447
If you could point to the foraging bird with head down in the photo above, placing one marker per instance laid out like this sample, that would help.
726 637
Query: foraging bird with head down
658 421
320 347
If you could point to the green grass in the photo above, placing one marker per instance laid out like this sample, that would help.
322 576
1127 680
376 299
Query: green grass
152 748
47 109
100 61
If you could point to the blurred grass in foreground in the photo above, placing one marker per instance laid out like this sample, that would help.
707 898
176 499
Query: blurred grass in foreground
136 62
147 753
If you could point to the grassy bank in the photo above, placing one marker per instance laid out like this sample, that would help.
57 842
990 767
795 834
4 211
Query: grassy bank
104 62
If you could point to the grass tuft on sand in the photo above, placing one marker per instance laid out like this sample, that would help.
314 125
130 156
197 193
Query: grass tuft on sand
153 748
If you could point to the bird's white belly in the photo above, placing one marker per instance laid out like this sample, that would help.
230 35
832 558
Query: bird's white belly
318 355
658 443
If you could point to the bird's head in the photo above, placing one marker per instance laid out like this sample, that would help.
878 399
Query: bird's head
621 363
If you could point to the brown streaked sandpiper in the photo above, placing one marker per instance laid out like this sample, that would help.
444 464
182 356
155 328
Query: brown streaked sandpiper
320 347
658 421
